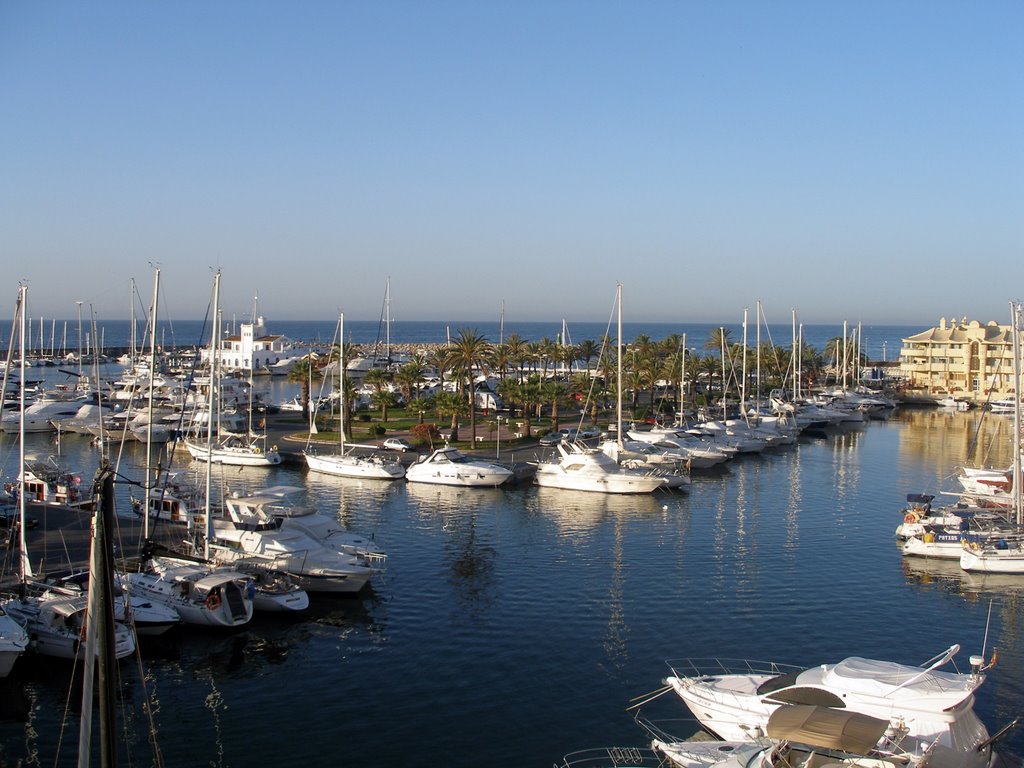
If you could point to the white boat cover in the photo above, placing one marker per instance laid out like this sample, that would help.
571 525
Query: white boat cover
883 678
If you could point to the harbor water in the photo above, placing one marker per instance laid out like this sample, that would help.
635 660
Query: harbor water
515 625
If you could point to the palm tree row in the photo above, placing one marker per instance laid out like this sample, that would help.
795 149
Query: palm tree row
539 375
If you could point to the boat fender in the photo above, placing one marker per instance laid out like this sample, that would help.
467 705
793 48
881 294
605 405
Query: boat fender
212 601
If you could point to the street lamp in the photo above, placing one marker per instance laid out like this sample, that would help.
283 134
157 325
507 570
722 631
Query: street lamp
497 444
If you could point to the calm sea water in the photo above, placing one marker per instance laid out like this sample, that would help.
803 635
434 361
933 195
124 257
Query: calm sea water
880 342
516 625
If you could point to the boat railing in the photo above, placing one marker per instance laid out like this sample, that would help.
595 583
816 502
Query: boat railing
711 667
611 757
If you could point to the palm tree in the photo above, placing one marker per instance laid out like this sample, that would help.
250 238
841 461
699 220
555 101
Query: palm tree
449 405
409 378
501 360
383 399
717 337
469 353
518 353
588 350
302 373
530 396
438 359
555 393
508 391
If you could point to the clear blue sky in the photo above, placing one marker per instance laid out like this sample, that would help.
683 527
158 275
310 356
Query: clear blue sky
858 161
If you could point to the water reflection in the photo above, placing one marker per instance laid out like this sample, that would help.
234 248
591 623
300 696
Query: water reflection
947 439
577 512
930 573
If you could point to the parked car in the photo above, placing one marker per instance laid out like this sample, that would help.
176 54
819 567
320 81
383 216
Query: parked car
397 444
551 438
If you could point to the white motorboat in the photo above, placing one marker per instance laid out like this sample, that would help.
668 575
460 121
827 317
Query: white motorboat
48 481
671 466
699 453
13 642
447 466
51 406
202 594
959 520
588 469
799 736
315 566
735 699
269 510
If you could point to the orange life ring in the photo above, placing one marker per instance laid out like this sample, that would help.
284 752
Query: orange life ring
911 517
212 601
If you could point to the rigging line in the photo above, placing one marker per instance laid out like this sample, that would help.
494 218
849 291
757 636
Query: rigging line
648 697
67 713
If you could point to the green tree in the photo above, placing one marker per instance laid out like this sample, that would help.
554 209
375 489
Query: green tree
470 353
555 393
518 353
302 373
383 399
449 405
408 378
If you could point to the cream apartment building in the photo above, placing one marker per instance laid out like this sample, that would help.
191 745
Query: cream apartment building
966 359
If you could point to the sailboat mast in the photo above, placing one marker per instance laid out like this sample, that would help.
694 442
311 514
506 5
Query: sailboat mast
682 384
341 381
25 565
149 425
794 358
1017 490
743 369
387 320
618 373
214 394
757 376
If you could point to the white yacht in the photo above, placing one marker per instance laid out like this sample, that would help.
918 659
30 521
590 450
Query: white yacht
314 565
270 510
588 469
923 702
447 466
800 736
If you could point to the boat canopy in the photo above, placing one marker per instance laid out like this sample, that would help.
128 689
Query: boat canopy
826 728
218 578
920 498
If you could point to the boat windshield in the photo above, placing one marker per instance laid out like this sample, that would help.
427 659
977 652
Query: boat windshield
780 681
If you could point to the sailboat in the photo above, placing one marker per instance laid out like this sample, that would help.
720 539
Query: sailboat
1004 553
581 468
233 449
344 463
56 623
13 642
